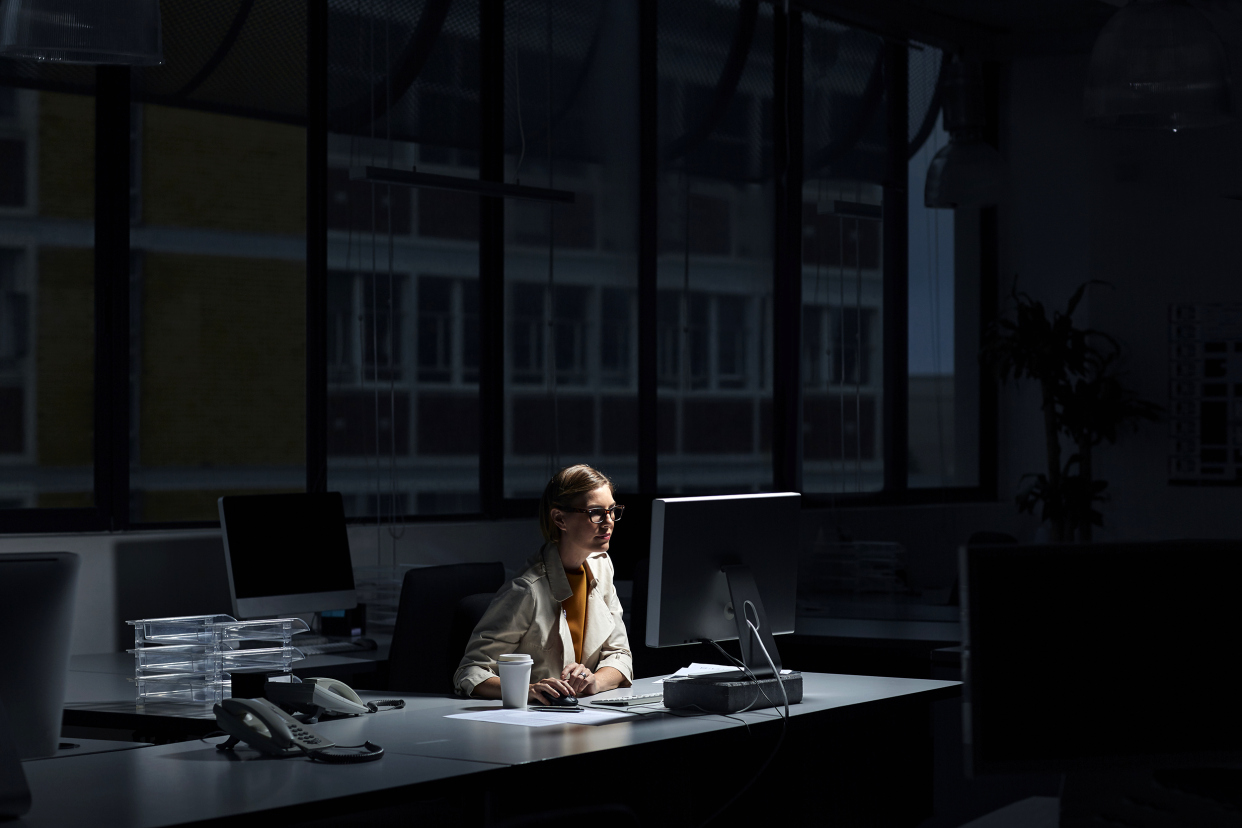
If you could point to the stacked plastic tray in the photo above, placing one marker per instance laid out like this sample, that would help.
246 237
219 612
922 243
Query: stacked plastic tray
189 658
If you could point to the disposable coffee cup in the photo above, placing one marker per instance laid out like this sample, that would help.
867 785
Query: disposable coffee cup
514 679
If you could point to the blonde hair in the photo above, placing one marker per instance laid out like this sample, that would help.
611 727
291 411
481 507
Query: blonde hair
564 486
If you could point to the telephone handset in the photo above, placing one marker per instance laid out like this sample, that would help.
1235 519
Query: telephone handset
268 729
316 696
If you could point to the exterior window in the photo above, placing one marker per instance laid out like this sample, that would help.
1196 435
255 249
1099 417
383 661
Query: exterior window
14 350
364 207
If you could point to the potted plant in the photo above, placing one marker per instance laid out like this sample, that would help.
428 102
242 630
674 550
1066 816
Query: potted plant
1082 398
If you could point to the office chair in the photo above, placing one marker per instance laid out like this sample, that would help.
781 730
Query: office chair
439 608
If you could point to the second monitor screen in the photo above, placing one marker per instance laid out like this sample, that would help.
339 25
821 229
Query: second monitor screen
287 544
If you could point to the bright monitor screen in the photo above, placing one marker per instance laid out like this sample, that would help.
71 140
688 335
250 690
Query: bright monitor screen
287 553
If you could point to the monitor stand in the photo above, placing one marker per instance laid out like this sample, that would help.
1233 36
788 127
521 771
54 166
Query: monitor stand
747 604
733 691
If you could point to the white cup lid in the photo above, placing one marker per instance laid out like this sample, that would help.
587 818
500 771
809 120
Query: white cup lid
515 657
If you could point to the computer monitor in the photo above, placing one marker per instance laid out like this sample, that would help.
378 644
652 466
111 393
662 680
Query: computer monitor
37 591
1109 655
712 555
287 554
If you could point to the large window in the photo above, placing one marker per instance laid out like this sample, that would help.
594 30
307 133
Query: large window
843 201
47 300
571 270
402 287
715 265
742 293
218 311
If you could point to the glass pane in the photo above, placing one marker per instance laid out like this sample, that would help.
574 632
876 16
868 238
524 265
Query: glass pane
571 325
403 288
218 297
47 299
944 369
842 260
714 326
943 365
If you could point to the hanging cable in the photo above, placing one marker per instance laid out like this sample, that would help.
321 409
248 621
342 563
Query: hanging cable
684 383
379 506
840 360
552 373
354 269
517 89
858 324
393 533
937 367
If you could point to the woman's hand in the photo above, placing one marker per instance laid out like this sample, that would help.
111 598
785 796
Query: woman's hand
580 679
544 690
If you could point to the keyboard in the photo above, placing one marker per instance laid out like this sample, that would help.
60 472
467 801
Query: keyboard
316 645
626 701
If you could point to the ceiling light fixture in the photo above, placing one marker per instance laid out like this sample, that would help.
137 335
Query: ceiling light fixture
123 32
967 171
1158 64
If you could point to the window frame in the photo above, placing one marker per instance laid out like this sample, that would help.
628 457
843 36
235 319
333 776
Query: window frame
783 371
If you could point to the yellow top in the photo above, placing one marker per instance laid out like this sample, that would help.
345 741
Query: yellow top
575 607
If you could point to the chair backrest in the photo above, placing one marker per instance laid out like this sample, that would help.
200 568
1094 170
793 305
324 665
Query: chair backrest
427 641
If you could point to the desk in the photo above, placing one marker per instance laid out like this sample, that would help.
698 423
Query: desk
857 751
99 694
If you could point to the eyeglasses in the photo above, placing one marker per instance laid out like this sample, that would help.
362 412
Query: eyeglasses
596 515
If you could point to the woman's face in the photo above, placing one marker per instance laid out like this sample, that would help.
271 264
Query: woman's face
577 531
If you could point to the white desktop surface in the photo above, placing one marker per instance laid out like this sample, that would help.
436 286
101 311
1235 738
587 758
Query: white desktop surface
189 781
422 729
192 781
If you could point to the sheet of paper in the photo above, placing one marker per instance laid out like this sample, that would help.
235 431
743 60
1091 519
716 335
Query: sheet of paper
532 718
696 669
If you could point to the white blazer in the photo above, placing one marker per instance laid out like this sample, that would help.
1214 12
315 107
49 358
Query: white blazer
526 617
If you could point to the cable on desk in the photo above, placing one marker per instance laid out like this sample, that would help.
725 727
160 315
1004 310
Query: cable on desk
395 704
329 756
784 719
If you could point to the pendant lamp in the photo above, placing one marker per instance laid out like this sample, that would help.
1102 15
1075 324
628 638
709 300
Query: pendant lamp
1158 64
125 32
967 171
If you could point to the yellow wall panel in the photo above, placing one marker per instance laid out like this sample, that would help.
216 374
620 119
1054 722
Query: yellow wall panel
222 172
223 362
65 357
67 155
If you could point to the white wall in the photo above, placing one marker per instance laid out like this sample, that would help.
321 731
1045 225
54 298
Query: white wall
1142 211
510 542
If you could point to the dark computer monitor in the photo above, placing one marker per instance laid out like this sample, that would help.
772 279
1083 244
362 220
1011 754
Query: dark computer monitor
287 554
37 591
1101 655
709 555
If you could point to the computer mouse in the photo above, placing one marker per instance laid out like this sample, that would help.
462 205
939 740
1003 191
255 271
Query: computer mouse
563 701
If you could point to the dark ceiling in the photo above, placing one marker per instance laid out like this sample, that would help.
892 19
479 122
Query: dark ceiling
1016 17
994 28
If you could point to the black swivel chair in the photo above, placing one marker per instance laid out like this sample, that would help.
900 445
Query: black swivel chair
439 608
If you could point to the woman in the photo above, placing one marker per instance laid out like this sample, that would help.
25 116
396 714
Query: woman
563 609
